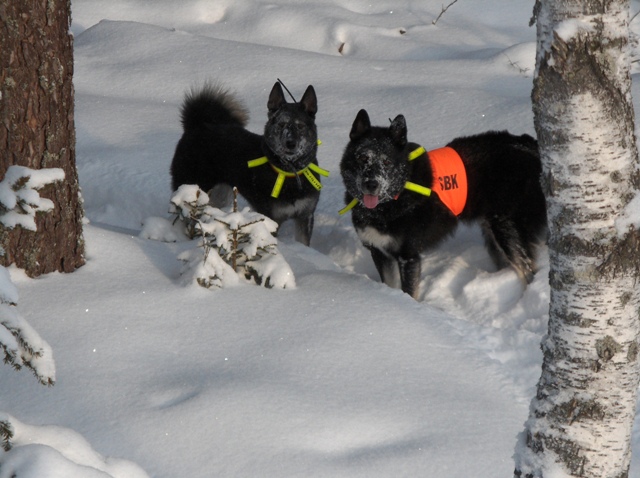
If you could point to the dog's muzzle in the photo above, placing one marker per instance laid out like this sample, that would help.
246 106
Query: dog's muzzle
370 186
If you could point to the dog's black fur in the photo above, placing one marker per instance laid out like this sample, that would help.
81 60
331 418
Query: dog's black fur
504 196
215 149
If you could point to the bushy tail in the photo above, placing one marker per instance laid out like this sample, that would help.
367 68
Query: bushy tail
212 104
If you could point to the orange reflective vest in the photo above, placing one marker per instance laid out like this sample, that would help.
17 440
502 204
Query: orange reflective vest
449 178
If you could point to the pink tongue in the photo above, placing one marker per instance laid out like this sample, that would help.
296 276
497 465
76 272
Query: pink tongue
370 201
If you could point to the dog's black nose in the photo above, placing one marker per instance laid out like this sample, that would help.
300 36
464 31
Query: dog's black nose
371 185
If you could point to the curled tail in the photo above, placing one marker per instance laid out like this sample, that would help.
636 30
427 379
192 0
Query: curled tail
212 104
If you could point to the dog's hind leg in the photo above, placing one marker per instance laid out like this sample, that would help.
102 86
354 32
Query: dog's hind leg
497 254
506 247
221 196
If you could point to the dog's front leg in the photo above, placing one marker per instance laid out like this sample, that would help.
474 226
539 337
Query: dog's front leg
410 268
303 229
385 265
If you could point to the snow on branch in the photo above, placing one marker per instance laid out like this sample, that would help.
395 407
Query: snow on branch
23 347
21 344
19 198
233 245
19 203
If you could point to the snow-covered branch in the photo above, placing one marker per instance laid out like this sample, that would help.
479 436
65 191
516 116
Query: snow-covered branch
22 345
19 203
19 198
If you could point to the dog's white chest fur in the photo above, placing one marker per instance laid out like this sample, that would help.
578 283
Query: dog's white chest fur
371 236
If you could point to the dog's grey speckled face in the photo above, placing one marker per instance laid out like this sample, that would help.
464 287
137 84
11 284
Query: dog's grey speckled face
290 132
380 176
374 167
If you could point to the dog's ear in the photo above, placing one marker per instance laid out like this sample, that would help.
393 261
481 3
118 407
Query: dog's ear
276 98
398 131
309 101
361 125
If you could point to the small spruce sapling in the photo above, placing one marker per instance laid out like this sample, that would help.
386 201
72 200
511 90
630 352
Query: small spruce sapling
19 203
236 244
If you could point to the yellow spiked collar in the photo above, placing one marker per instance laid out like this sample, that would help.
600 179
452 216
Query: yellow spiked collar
282 175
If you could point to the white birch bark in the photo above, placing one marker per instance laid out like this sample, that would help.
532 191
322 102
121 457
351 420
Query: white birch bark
580 420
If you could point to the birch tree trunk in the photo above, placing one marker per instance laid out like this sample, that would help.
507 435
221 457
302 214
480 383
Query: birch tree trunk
581 417
37 129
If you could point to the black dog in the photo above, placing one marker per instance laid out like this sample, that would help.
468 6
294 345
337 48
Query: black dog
389 184
277 173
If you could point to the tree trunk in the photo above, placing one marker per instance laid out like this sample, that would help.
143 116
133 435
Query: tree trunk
37 129
580 420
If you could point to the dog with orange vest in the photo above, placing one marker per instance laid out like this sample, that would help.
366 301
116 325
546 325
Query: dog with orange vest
405 200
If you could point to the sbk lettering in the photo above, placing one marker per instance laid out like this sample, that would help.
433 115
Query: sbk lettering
448 183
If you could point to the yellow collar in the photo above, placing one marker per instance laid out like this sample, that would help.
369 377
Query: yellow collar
282 175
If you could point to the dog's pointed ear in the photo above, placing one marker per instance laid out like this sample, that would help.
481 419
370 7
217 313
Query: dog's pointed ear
309 101
361 125
276 98
398 130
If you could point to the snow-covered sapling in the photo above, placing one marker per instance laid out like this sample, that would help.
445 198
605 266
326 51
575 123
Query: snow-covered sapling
236 244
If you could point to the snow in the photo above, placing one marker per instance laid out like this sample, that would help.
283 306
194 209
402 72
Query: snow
568 29
340 376
50 451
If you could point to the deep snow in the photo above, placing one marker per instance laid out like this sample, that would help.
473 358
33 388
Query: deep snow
339 377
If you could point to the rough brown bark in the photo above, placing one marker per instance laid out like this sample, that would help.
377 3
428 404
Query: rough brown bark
37 129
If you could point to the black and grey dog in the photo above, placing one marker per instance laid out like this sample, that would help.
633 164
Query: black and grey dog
405 200
277 173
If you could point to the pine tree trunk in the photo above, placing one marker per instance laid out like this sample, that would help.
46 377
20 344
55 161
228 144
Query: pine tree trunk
37 129
580 420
